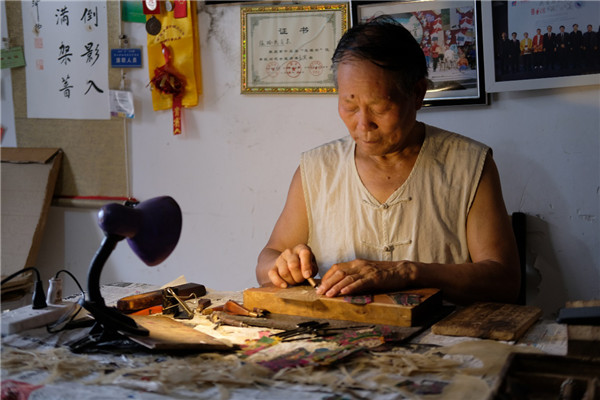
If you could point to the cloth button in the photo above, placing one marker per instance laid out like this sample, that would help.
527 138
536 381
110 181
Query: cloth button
388 248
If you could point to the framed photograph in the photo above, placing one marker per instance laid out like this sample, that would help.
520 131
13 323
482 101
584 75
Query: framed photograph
288 49
450 35
541 44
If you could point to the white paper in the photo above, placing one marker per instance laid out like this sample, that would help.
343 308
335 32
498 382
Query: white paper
121 104
66 52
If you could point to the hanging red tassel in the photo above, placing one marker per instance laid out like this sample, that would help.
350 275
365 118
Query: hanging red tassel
169 82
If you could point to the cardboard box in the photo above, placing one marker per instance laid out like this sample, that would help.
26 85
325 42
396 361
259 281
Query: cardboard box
29 177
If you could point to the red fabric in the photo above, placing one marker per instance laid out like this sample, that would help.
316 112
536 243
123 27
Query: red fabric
16 390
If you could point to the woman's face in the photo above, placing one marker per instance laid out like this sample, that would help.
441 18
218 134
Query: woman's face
379 118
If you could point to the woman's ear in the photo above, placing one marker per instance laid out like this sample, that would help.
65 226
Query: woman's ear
420 90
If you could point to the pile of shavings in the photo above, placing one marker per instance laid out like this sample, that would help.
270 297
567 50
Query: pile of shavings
358 368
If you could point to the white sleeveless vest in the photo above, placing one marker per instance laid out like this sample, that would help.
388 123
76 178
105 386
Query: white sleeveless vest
423 220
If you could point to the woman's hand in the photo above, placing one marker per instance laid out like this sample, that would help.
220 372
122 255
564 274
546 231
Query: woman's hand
293 266
366 276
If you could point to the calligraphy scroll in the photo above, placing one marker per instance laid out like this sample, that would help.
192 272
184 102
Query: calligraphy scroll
66 49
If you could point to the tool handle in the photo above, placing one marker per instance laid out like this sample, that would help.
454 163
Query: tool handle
231 307
138 302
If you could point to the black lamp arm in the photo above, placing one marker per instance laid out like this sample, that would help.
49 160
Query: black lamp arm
108 319
106 248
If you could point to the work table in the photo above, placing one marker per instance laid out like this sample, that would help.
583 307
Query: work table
357 367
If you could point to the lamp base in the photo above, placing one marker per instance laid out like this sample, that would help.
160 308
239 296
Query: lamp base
111 327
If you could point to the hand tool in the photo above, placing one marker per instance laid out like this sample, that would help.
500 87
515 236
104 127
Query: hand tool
302 328
178 307
138 302
202 304
221 318
231 307
149 311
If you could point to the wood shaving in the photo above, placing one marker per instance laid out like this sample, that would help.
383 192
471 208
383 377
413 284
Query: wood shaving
493 354
59 363
379 372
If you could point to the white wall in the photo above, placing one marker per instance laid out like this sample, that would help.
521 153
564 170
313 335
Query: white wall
231 168
7 118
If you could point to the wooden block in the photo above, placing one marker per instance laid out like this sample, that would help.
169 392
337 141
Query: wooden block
383 310
489 321
583 340
169 334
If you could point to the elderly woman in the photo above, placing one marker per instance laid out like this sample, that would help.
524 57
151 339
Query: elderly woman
397 204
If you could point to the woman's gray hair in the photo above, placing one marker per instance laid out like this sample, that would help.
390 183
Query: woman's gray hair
387 44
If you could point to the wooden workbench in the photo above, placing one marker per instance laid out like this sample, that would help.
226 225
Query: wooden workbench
149 376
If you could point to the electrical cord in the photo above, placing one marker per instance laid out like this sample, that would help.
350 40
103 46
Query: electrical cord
12 276
65 321
39 298
72 277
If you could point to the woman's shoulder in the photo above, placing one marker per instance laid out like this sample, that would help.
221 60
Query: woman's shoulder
338 147
443 138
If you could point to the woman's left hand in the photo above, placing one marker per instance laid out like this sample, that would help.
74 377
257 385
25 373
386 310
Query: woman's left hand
361 276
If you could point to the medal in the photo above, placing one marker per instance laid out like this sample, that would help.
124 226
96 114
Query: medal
153 26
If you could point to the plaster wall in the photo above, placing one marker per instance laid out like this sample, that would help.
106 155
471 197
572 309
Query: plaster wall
231 167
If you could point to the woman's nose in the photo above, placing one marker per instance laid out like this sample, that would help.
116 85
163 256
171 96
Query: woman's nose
365 122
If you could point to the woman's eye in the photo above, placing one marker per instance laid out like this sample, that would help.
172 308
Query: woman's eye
380 110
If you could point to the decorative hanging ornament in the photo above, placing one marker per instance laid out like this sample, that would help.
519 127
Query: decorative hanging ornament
151 7
153 26
169 82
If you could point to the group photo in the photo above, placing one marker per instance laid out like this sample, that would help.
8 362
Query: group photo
543 41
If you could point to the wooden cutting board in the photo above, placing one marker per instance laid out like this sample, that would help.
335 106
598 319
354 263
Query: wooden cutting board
496 321
383 310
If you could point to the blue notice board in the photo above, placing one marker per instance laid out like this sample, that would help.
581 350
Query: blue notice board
126 58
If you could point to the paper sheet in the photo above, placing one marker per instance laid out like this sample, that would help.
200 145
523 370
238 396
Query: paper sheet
66 51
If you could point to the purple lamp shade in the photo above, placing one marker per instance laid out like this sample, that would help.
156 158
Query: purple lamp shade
152 227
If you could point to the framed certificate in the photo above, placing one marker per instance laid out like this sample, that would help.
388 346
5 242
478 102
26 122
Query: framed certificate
288 49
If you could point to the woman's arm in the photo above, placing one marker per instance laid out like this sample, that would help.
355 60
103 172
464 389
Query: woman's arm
286 259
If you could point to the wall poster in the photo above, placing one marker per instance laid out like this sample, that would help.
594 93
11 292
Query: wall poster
66 54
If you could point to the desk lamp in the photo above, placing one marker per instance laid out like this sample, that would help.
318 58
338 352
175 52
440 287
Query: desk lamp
152 229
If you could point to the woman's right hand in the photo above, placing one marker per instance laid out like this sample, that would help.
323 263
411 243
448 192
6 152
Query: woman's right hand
293 266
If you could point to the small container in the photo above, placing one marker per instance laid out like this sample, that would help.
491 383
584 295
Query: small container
55 294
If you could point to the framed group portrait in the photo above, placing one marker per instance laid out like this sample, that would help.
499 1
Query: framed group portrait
541 44
449 33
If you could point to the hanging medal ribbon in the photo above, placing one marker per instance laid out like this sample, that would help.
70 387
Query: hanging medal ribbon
173 57
180 9
168 82
151 7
